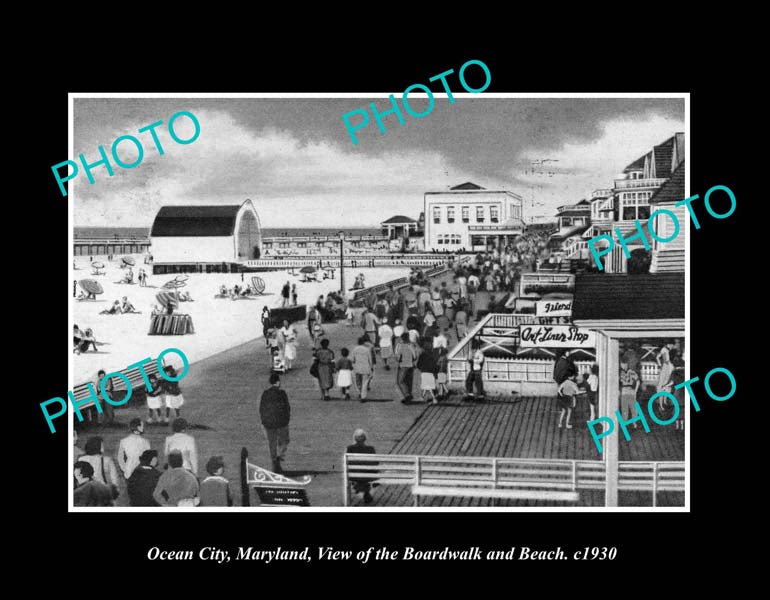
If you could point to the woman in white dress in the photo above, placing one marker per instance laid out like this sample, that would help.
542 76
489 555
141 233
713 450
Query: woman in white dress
289 335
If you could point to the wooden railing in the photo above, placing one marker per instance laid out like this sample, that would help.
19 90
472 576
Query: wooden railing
332 262
494 473
401 282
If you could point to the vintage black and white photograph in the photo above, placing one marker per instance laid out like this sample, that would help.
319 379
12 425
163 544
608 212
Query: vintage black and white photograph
311 303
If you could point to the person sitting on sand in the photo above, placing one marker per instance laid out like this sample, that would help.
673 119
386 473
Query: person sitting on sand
223 290
156 310
77 337
127 307
113 310
86 341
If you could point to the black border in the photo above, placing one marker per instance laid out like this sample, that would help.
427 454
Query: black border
660 541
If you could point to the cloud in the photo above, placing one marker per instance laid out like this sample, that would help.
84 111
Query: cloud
293 159
229 163
575 169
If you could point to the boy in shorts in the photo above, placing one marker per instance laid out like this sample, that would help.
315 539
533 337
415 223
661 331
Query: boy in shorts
174 398
566 395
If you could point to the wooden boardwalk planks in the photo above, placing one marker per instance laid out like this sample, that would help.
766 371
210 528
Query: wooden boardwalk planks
524 429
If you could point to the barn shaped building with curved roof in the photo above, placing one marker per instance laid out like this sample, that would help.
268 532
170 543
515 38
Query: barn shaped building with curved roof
198 237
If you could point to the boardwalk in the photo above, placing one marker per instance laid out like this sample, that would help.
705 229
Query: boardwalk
222 398
524 429
222 404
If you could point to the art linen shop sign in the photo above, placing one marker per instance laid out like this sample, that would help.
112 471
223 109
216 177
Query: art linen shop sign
555 336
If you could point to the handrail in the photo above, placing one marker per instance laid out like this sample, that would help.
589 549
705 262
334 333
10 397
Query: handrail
509 473
469 336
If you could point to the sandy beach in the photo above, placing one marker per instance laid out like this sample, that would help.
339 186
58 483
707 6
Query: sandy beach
219 323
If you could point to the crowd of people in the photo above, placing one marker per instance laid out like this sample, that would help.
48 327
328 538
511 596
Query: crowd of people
574 387
97 477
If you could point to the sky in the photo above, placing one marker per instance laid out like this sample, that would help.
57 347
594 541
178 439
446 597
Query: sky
295 160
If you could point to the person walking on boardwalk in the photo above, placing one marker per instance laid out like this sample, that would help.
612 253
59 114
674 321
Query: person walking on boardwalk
344 373
568 389
385 332
563 368
289 336
362 367
325 358
285 291
474 380
265 318
131 448
177 486
183 443
629 386
275 414
369 324
406 359
143 480
90 491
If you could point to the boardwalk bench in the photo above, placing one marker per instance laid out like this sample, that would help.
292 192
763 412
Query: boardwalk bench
468 476
537 479
81 392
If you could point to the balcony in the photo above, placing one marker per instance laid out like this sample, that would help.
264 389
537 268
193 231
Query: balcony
500 228
601 193
632 184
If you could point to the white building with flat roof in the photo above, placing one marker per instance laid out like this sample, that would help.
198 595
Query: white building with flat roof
470 217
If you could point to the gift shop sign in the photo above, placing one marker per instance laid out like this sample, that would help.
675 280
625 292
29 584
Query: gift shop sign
553 308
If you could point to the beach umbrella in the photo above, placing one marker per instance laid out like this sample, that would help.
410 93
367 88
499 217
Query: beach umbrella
91 286
130 261
175 284
97 265
307 269
166 298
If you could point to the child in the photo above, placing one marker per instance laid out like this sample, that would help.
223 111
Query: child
442 368
349 316
567 391
154 399
278 364
215 489
345 373
174 398
593 390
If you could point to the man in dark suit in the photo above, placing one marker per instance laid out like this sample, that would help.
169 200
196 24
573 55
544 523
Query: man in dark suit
275 412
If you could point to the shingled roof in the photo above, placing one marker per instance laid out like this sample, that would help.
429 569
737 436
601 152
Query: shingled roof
673 190
195 221
637 165
662 153
621 296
